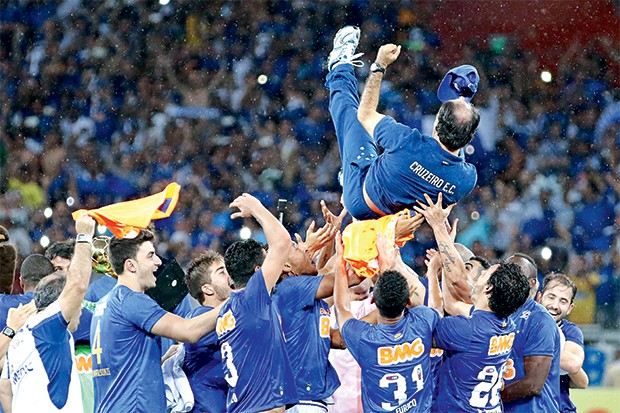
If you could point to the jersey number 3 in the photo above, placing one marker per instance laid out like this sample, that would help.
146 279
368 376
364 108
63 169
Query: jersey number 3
227 355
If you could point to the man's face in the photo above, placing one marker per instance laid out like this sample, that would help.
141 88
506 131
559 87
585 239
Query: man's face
480 281
557 300
146 263
61 264
300 261
220 280
474 270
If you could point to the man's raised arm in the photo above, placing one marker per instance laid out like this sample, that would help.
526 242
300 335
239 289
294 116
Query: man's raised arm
367 112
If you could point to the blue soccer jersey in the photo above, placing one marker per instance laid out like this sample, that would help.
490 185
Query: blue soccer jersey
306 326
537 334
127 373
11 301
477 350
203 368
254 358
412 165
395 361
574 334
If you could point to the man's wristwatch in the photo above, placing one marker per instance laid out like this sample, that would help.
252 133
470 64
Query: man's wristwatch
84 238
8 331
376 67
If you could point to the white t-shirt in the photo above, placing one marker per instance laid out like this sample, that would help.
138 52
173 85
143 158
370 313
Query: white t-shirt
40 365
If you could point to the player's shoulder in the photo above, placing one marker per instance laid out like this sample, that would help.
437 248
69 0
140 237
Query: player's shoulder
571 331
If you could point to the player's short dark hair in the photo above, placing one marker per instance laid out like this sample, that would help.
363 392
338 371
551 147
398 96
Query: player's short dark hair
124 249
63 249
453 128
34 268
562 279
198 273
483 262
391 293
48 290
532 271
241 258
510 289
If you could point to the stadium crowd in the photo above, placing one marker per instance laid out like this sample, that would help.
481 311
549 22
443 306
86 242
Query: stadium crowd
103 102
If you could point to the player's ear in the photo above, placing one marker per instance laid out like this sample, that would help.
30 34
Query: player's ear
538 297
372 299
207 289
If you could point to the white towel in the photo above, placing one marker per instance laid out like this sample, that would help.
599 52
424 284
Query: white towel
179 396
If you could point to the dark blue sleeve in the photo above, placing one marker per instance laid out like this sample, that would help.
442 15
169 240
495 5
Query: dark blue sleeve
141 310
429 315
257 298
390 134
454 333
352 331
295 293
541 336
53 328
572 333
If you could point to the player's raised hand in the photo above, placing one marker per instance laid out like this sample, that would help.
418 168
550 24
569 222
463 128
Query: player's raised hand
388 253
335 220
387 54
247 205
316 239
85 225
18 316
432 261
434 213
408 224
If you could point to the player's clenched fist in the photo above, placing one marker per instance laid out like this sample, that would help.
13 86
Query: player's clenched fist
85 225
247 205
387 54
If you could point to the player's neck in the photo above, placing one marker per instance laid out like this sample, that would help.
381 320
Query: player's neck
211 302
130 283
387 320
436 137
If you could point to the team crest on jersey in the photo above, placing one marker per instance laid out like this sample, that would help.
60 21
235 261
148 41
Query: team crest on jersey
397 336
400 353
501 344
526 314
225 323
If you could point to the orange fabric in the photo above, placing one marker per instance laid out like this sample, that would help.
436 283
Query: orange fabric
359 242
124 218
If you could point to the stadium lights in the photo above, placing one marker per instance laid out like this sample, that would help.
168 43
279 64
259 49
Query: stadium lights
475 215
44 241
262 79
101 229
47 212
546 253
545 76
164 2
70 201
245 233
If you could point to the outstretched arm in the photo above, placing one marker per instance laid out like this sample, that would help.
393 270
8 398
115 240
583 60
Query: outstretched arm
342 301
278 238
367 112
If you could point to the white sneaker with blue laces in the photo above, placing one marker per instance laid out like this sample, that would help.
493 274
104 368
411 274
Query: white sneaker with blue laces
345 43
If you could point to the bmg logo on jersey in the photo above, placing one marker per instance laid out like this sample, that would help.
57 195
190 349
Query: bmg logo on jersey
400 353
225 323
501 344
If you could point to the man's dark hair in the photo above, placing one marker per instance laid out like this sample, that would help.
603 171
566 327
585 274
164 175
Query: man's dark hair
124 249
198 273
457 123
391 294
34 268
63 249
532 271
241 258
510 289
559 278
483 262
48 290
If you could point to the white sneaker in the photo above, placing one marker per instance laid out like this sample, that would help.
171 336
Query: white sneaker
345 43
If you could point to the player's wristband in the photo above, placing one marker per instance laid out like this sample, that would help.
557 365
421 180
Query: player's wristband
376 67
84 238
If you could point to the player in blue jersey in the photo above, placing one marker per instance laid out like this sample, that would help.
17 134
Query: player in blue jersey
32 270
254 358
532 377
125 348
558 292
394 355
39 373
208 282
387 166
478 340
